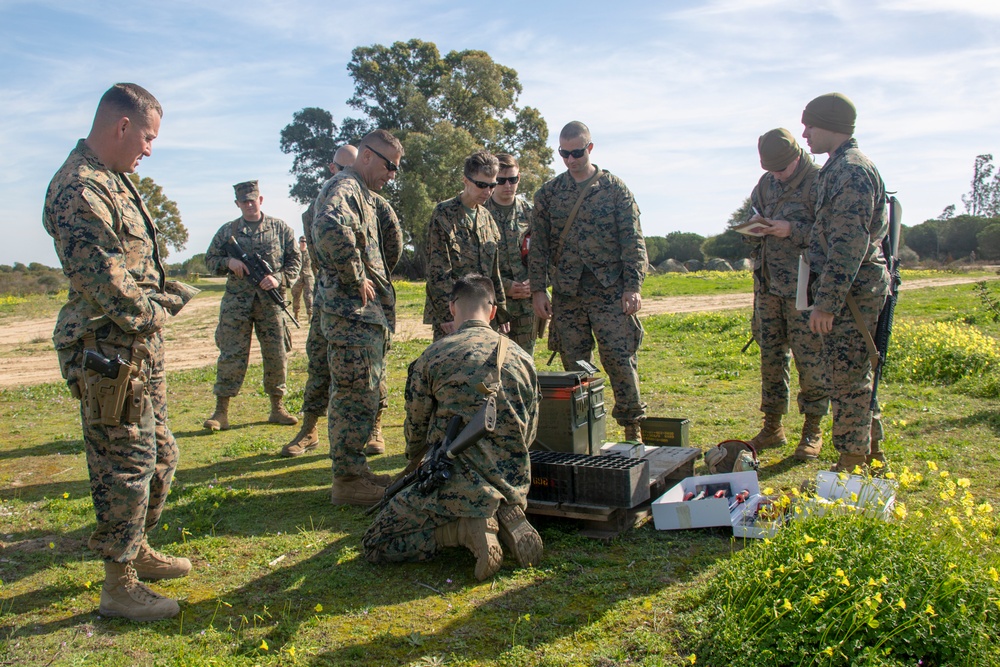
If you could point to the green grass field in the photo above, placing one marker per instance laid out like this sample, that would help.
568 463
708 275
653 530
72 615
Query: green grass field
278 578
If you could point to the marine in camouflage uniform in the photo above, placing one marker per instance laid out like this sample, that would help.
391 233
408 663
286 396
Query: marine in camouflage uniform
845 256
246 308
785 198
493 473
117 305
357 302
595 273
462 239
513 223
302 289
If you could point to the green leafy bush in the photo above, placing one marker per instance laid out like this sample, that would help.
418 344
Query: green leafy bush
941 353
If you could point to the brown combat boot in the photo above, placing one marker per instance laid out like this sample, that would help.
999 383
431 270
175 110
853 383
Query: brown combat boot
478 536
279 415
219 421
307 438
376 443
771 435
633 431
363 490
151 565
812 439
848 462
519 536
124 596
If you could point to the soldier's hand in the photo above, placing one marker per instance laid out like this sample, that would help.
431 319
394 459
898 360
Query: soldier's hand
631 303
269 282
780 228
367 291
504 328
237 267
520 290
820 322
543 307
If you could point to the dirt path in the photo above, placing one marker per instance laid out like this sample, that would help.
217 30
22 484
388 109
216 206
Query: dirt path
26 355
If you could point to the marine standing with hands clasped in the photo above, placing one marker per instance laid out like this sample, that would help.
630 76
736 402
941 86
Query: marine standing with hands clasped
846 261
586 242
117 305
245 306
511 214
784 199
302 290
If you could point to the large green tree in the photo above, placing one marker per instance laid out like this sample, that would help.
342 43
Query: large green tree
442 108
983 199
166 215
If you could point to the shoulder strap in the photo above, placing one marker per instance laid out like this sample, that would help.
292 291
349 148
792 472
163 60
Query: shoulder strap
572 214
859 320
491 383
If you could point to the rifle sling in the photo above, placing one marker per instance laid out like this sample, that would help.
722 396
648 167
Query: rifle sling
859 320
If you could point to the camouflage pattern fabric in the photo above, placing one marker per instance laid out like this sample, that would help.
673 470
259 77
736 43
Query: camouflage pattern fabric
106 242
604 255
778 327
845 254
513 223
440 384
302 290
246 308
346 236
459 243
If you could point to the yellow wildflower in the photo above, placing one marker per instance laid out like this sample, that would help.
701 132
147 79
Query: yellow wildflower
806 539
692 658
931 465
65 495
787 606
901 604
808 558
767 573
318 608
930 610
815 599
291 651
994 575
263 645
876 464
878 597
964 482
828 651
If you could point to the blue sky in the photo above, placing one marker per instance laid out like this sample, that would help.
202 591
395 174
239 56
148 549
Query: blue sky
675 93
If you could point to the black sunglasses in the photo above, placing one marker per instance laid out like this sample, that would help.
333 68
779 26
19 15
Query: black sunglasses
483 186
577 153
501 180
388 165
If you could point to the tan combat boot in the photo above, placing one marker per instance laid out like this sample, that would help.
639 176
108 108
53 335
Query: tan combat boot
848 462
478 536
219 421
376 443
633 432
519 536
771 435
279 415
307 438
363 490
151 565
124 596
812 439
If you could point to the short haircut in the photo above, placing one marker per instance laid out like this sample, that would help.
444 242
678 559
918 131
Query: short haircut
128 99
302 239
474 290
575 129
481 161
381 139
507 161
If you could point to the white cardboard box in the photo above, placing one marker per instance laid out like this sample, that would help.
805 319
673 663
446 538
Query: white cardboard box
629 450
746 525
672 512
870 494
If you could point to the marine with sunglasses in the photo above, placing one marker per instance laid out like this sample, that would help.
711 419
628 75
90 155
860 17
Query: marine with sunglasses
462 238
586 243
511 212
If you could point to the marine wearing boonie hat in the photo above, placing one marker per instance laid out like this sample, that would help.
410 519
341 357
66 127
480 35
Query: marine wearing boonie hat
246 191
777 149
833 112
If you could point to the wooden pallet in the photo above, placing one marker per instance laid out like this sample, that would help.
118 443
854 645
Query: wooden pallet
667 466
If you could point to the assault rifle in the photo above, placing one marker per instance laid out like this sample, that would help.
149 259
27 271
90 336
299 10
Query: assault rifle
883 330
435 468
258 269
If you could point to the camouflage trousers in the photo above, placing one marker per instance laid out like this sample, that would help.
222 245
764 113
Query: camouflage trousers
782 332
596 311
131 466
356 358
848 377
316 395
232 337
302 291
522 323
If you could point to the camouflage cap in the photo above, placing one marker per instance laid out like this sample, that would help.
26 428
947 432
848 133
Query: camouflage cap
833 112
246 191
777 149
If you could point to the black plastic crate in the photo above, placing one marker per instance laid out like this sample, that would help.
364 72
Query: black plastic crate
551 477
614 481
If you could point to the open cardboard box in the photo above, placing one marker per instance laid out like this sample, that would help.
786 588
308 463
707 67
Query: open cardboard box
868 494
672 512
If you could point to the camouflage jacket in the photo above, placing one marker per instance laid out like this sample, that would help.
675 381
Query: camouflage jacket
605 237
106 243
346 236
513 224
270 238
776 260
440 384
391 240
845 251
457 247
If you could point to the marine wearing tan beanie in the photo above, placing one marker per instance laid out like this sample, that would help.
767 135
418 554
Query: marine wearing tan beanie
777 149
833 112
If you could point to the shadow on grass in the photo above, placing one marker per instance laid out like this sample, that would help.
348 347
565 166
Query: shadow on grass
988 418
